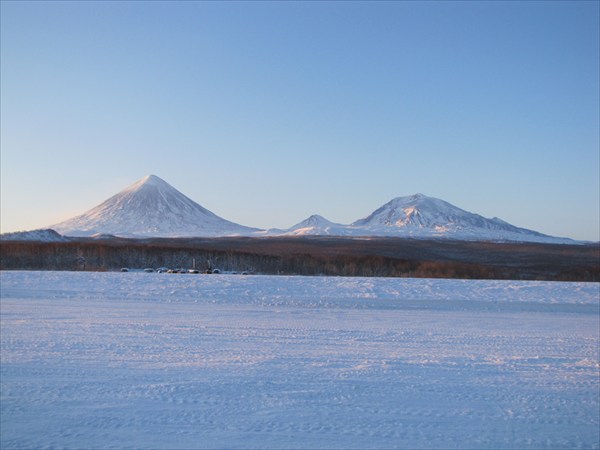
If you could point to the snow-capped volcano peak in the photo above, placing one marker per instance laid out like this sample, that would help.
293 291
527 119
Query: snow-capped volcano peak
314 220
317 225
150 207
418 211
149 180
150 184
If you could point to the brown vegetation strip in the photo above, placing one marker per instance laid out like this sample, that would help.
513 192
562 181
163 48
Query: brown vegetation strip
388 257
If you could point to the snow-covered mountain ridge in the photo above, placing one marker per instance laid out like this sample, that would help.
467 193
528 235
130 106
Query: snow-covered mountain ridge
35 235
421 216
153 208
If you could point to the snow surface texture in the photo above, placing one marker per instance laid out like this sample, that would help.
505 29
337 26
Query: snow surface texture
151 207
134 360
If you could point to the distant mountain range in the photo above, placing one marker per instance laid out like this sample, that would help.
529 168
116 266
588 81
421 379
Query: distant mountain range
153 208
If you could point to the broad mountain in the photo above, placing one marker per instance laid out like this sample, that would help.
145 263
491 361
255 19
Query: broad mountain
420 216
150 207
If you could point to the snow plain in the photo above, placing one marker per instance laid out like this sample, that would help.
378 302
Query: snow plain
135 360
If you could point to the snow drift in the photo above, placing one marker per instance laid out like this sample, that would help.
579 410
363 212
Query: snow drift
137 360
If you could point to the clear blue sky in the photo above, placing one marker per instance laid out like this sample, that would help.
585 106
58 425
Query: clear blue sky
268 112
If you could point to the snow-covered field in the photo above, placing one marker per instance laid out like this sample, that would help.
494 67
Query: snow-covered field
134 360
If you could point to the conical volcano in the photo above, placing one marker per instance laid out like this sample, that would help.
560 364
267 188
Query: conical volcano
317 225
150 207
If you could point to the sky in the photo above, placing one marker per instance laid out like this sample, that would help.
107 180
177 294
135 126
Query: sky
268 112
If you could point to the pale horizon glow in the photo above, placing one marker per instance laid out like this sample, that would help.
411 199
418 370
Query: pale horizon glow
268 112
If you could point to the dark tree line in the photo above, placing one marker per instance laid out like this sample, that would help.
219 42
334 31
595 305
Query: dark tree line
341 257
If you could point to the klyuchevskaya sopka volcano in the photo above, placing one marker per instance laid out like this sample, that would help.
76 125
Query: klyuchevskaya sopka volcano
150 207
153 208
